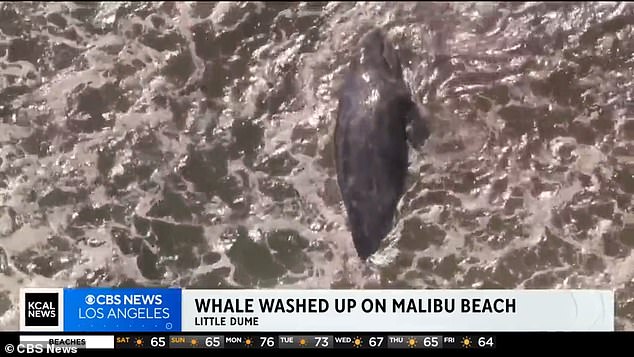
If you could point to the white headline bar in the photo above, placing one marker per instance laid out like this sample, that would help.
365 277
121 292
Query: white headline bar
397 310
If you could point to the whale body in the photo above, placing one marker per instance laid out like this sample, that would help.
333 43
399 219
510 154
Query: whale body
371 140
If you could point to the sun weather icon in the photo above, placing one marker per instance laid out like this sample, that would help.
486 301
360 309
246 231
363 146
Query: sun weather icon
248 342
138 342
357 342
466 342
411 343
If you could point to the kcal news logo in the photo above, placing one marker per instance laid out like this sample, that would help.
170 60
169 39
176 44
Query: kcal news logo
41 309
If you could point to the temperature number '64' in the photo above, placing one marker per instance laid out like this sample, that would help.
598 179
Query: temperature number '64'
485 342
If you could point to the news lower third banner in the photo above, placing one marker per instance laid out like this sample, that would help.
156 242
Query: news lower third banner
184 310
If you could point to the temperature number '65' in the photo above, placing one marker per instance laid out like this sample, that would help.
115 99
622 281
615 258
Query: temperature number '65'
431 341
212 341
157 342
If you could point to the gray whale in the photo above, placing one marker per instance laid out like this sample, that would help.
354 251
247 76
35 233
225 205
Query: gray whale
371 140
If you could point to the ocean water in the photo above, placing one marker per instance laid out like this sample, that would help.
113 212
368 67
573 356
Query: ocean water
190 144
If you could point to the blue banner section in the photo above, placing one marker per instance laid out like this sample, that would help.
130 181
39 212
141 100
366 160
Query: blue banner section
122 310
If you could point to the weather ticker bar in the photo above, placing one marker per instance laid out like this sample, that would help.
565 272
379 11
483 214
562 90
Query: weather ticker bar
134 341
305 341
16 343
286 341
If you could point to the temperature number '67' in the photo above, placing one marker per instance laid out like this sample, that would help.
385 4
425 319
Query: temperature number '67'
375 342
